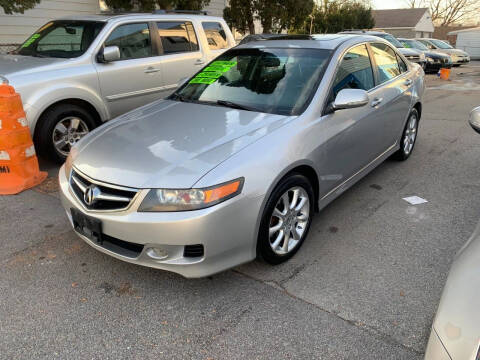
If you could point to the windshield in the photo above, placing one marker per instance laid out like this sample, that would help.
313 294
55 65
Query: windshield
273 80
441 44
414 44
391 39
61 39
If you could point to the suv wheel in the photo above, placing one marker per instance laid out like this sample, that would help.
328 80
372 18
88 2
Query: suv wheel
61 127
286 219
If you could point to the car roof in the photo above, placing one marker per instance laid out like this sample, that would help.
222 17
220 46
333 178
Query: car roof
320 41
139 16
366 32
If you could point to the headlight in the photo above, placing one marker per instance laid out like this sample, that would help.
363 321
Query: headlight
163 200
429 59
69 162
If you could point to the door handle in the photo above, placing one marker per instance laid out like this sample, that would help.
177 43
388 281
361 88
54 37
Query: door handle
376 101
199 62
408 82
150 70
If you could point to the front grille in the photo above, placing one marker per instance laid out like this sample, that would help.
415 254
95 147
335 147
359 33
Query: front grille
105 197
193 251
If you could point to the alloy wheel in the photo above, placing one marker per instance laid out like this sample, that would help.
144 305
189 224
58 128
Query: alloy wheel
289 220
410 134
67 133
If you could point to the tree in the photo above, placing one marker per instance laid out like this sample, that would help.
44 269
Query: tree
150 5
239 15
274 15
280 15
448 12
17 6
335 16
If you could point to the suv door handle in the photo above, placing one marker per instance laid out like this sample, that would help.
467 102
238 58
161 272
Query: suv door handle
199 62
150 70
408 82
376 101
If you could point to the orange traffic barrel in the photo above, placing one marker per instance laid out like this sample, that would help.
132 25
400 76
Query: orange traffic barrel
444 74
18 162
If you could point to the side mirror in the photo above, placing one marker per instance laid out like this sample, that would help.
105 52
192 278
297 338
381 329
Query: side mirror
475 119
349 99
109 53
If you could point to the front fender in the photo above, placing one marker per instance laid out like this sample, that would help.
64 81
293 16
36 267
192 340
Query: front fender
43 97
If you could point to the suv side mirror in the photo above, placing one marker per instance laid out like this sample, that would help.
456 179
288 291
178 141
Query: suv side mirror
475 119
109 53
349 99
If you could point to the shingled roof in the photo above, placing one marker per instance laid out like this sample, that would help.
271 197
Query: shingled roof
393 18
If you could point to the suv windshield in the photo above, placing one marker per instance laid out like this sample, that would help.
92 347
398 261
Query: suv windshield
440 44
414 44
391 39
273 80
61 39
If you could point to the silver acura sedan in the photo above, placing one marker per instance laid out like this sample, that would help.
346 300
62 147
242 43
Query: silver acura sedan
235 163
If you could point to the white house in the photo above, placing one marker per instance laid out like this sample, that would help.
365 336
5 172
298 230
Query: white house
408 23
468 40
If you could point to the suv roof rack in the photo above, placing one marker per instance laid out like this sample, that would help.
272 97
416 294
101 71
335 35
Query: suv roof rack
175 11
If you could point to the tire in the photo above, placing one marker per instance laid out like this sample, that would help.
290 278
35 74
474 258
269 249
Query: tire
48 130
411 132
290 221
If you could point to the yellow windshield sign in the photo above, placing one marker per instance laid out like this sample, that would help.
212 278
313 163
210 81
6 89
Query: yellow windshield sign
30 40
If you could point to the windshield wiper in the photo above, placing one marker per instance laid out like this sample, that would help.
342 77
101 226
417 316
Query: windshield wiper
234 105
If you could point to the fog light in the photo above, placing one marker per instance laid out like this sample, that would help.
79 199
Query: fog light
156 253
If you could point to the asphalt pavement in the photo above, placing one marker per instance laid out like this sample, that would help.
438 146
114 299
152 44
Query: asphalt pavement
365 284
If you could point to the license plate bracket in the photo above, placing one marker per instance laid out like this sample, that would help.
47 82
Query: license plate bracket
87 226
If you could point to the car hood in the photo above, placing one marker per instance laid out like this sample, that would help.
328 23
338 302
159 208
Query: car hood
435 55
453 52
169 144
16 64
457 322
409 52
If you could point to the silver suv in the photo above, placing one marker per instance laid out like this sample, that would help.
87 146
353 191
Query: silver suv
75 73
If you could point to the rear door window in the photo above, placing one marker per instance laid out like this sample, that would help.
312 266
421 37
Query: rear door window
216 36
355 71
386 60
177 36
133 40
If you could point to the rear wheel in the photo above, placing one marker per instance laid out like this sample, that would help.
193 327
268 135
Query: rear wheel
61 127
409 136
286 219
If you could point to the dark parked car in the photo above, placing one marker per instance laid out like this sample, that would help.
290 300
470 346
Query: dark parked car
435 60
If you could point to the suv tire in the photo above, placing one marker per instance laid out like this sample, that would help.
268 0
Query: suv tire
59 128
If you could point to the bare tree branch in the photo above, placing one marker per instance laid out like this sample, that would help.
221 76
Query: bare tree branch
448 12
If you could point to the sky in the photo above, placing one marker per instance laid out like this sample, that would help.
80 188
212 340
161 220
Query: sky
389 4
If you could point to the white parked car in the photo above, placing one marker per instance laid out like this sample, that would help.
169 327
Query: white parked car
77 72
456 329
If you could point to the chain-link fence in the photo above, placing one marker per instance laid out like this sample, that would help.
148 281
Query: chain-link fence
5 48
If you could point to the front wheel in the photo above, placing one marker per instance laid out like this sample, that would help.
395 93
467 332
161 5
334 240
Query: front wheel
61 127
286 219
409 136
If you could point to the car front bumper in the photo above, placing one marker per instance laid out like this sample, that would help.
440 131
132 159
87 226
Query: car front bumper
227 232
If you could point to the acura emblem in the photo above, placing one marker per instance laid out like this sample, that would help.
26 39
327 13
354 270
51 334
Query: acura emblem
91 194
